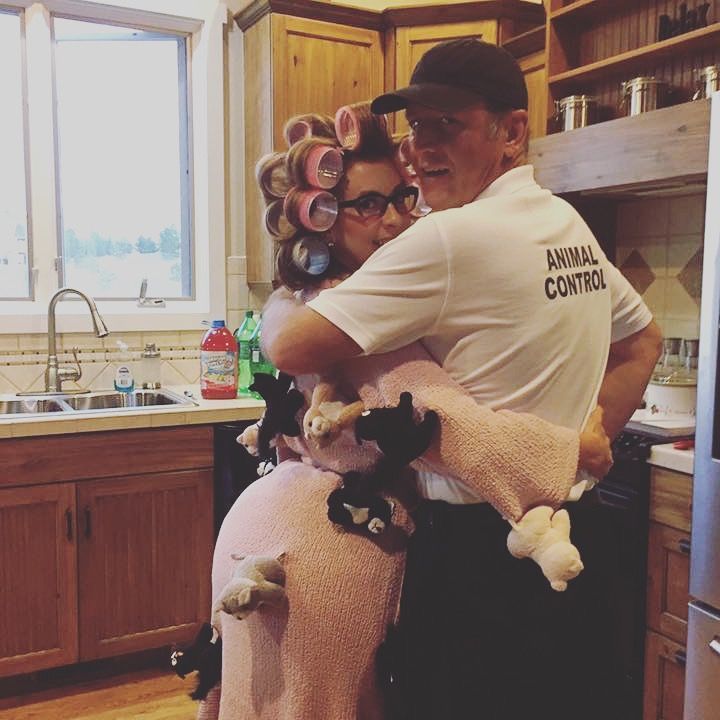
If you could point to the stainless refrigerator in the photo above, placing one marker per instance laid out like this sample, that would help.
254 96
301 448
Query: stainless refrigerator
702 688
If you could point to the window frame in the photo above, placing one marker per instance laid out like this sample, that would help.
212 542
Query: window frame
204 72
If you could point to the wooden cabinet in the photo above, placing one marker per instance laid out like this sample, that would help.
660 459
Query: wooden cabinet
147 538
38 569
529 50
667 594
594 45
105 544
295 65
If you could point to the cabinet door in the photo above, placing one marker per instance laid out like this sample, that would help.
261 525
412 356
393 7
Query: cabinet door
533 67
664 678
38 578
411 43
668 581
145 550
295 66
319 66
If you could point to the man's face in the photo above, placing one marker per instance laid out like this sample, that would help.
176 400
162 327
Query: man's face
456 155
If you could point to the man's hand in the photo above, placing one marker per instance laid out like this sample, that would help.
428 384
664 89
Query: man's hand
595 454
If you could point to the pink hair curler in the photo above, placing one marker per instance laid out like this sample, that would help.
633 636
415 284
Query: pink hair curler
347 128
315 210
297 131
324 167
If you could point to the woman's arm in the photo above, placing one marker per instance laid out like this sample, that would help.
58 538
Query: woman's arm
515 461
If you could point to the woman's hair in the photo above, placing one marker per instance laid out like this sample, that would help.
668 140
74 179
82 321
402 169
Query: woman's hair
320 150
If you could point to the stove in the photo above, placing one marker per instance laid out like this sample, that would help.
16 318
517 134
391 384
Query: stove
610 525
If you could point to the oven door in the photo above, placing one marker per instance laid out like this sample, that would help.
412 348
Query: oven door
702 689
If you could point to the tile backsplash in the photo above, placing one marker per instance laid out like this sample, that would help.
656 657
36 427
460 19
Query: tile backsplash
659 249
23 358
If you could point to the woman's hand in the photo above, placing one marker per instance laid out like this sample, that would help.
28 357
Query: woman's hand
595 454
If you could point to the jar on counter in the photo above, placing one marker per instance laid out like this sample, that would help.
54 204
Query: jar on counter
149 367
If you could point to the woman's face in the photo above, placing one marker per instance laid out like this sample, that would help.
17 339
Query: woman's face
356 237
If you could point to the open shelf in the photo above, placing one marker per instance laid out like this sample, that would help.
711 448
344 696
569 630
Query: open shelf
585 9
665 148
636 60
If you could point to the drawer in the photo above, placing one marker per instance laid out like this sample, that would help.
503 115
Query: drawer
670 498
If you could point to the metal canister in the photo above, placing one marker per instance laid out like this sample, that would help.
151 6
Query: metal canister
576 111
640 94
708 80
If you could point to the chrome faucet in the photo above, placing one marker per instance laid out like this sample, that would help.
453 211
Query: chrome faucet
55 376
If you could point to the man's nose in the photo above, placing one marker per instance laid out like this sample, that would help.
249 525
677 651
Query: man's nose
423 136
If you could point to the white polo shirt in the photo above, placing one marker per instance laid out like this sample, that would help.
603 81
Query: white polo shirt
510 293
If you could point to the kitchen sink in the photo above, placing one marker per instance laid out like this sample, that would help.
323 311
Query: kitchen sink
108 401
32 406
122 400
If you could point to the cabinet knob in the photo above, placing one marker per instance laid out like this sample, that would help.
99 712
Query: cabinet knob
715 645
684 546
680 658
69 524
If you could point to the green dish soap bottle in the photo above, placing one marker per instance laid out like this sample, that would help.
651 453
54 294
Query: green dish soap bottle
243 335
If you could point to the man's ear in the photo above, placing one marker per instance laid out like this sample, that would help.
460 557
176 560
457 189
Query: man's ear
517 134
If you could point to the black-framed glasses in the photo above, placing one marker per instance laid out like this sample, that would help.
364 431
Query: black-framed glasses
375 204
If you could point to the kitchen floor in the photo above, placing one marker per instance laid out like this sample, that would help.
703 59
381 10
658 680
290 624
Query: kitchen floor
148 694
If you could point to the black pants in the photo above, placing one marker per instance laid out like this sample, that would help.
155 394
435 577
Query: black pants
482 634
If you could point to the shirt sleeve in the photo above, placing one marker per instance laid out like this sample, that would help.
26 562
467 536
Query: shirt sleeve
629 313
397 296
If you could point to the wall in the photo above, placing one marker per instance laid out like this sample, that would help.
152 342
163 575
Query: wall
660 250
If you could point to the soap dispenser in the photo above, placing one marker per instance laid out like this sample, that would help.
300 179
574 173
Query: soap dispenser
124 381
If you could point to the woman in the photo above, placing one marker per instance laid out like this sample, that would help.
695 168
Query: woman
315 657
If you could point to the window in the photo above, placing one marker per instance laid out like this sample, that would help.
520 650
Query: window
112 171
14 240
123 160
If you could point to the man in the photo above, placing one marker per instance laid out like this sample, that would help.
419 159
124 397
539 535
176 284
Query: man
511 293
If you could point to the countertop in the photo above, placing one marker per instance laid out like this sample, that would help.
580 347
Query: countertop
210 412
666 456
205 412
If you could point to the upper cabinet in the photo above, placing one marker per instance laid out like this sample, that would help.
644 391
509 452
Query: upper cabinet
306 56
295 65
411 31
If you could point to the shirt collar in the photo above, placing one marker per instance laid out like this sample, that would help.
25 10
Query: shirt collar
509 182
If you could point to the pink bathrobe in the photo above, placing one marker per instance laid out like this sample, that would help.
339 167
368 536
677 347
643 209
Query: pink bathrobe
314 659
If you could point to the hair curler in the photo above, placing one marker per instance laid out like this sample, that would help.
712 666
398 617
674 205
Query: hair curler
347 127
311 254
272 176
314 210
323 166
275 221
297 130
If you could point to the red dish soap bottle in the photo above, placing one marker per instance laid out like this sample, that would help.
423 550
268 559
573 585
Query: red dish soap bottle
218 363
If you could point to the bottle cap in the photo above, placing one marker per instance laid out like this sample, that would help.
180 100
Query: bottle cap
218 323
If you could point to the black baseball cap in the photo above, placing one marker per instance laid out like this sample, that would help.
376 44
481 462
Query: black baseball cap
458 73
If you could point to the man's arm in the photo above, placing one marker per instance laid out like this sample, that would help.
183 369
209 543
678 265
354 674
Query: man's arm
630 365
298 340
